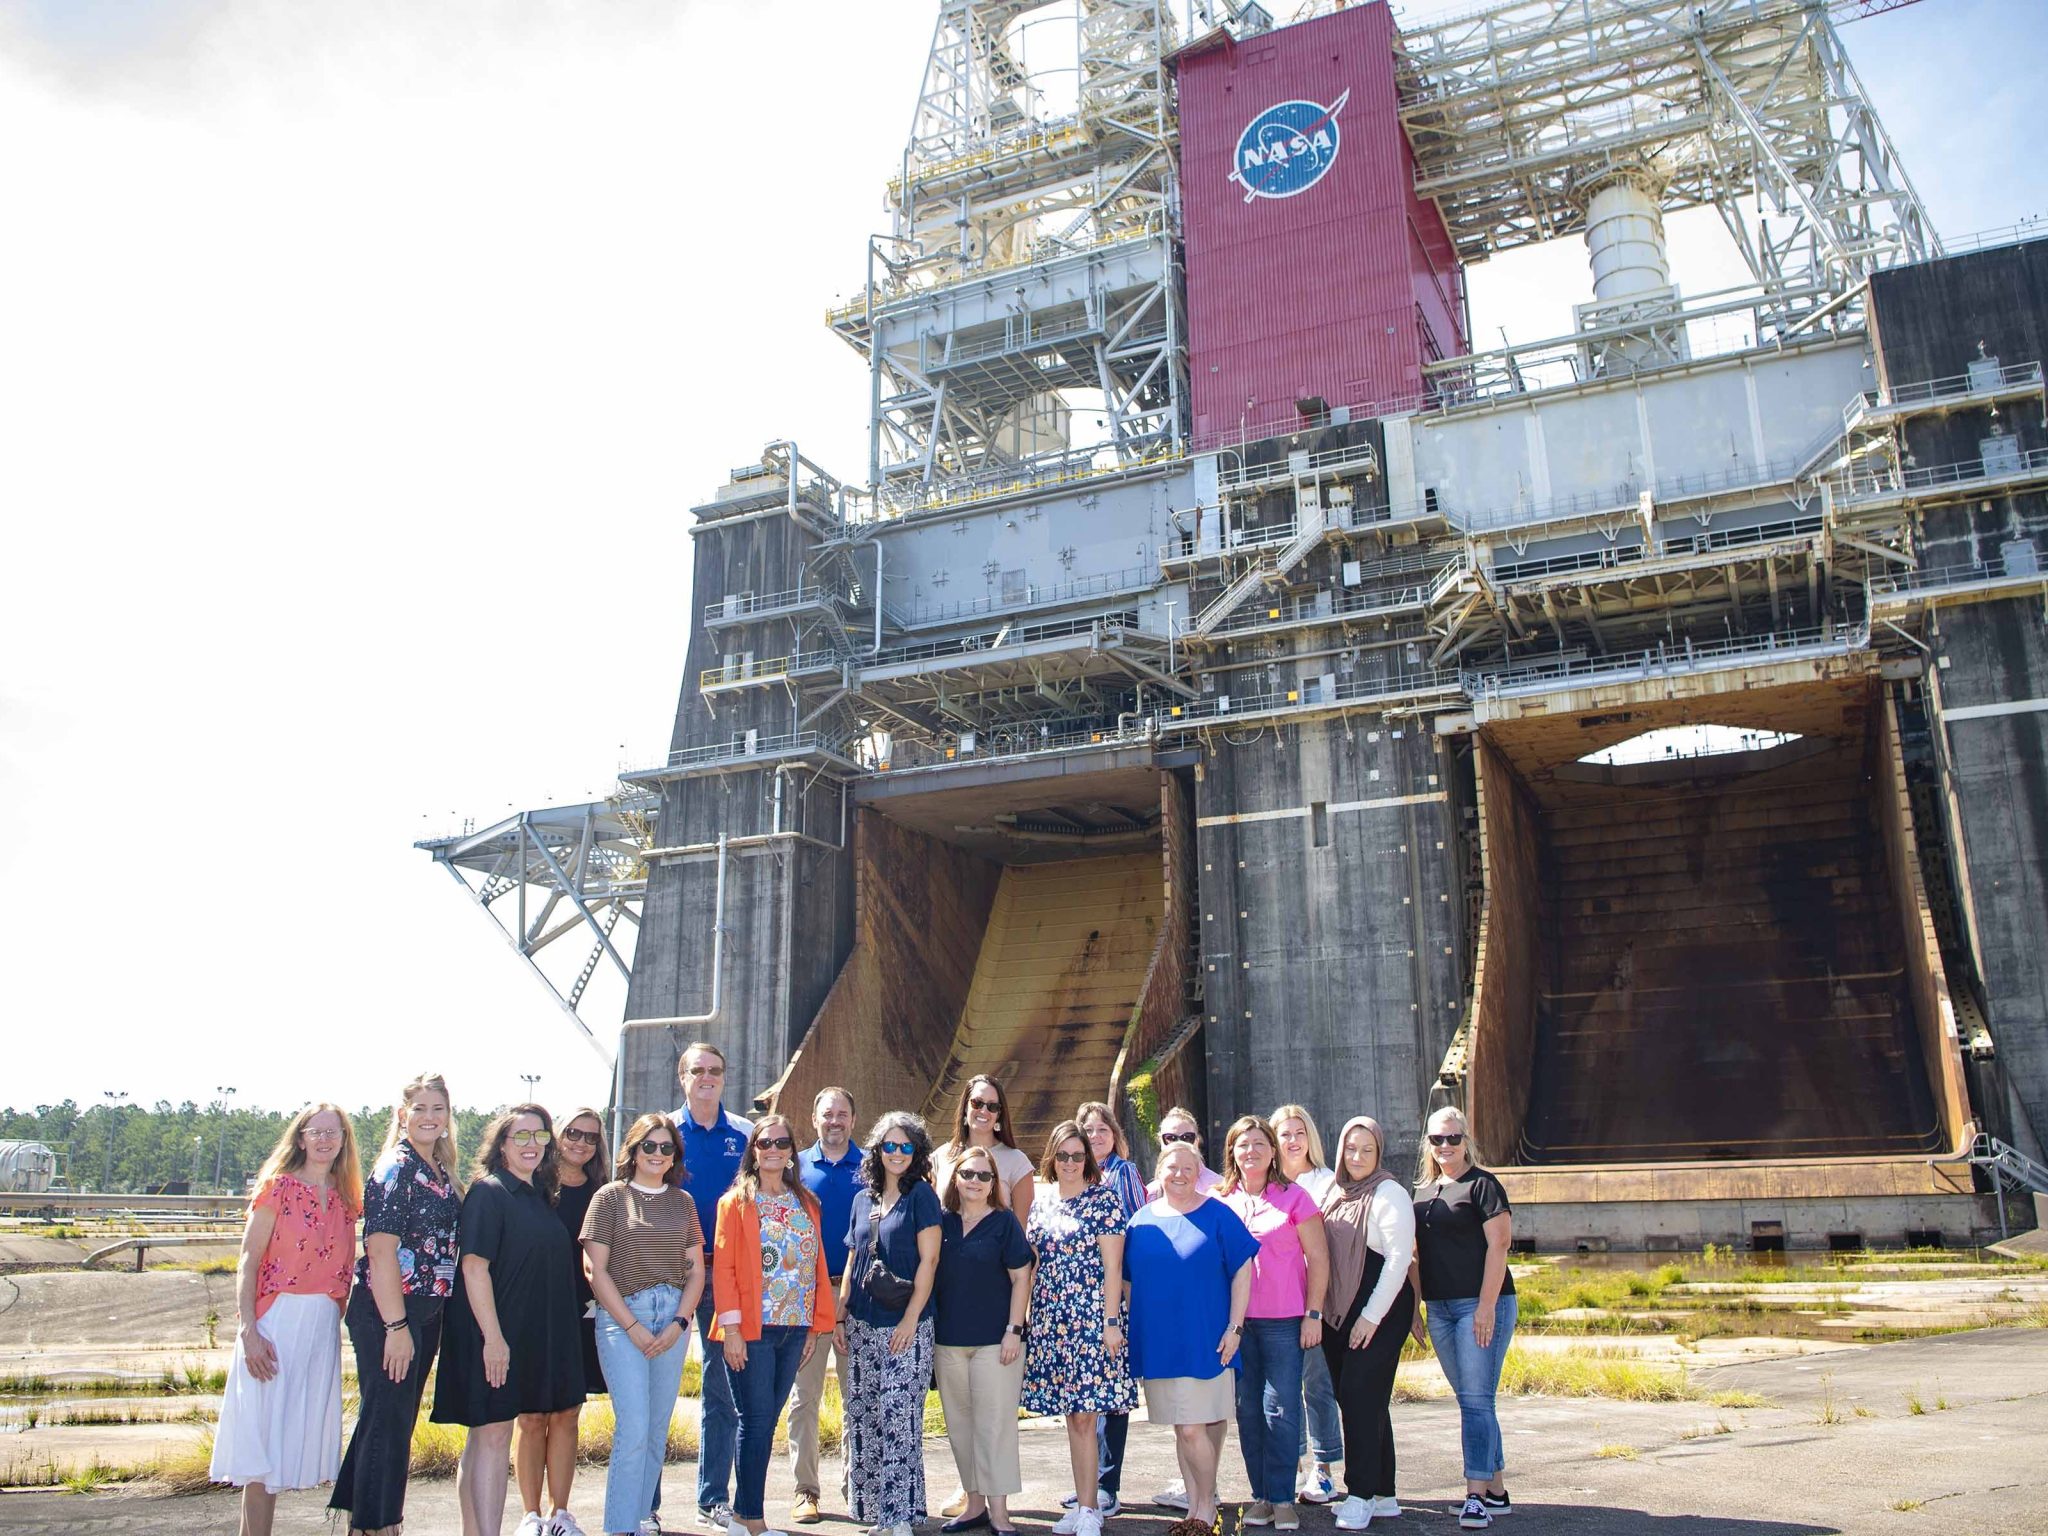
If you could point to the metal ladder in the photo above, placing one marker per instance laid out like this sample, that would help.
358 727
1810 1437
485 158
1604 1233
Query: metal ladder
2008 1165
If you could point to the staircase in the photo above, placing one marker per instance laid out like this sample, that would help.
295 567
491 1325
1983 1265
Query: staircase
1060 970
1310 522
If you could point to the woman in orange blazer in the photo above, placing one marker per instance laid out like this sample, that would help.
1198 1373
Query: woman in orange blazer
773 1298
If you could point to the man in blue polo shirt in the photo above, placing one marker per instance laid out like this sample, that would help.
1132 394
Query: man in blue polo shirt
713 1143
831 1170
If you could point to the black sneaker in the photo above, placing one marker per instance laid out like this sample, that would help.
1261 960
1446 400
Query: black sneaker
1473 1517
1498 1503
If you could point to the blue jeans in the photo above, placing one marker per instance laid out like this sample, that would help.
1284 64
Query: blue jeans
759 1389
1320 1426
1269 1404
1474 1374
643 1393
720 1426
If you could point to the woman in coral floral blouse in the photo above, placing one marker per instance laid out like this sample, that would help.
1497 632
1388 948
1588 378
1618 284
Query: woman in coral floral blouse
280 1418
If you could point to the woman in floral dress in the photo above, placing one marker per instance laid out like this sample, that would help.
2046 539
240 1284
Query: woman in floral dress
1075 1362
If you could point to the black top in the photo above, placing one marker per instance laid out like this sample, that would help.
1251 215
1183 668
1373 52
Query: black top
894 1240
508 1222
973 1286
1450 1234
572 1203
407 1198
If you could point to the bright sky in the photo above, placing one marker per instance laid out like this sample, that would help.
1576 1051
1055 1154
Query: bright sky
358 365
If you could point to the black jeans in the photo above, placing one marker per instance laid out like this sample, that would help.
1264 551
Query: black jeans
1112 1430
371 1483
1364 1384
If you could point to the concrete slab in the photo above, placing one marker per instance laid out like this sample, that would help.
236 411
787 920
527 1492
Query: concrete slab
1808 1465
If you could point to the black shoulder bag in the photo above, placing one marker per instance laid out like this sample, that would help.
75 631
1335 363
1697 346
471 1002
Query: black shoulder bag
885 1288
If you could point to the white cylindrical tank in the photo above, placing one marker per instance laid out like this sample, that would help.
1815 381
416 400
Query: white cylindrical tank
1625 239
26 1168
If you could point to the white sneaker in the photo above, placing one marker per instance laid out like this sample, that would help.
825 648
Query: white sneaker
562 1523
1355 1514
900 1530
531 1524
1385 1507
1173 1496
1090 1522
648 1527
1068 1523
1319 1487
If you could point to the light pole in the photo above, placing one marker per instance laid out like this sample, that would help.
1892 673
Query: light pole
220 1145
114 1101
529 1078
198 1152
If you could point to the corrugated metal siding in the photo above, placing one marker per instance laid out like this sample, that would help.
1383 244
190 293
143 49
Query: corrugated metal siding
1315 294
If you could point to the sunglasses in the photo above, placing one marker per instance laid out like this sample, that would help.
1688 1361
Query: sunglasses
1070 1157
775 1143
900 1148
991 1106
530 1138
583 1138
652 1147
1168 1138
974 1175
1447 1139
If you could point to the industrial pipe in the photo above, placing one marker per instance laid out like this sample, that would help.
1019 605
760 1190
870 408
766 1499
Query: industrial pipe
679 1020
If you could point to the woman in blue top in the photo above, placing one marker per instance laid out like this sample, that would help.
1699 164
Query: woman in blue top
984 1288
892 1240
1188 1261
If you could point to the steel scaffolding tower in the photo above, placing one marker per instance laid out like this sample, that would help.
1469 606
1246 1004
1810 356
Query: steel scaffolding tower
1028 278
1514 112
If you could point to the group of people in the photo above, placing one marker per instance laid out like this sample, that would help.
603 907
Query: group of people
1277 1292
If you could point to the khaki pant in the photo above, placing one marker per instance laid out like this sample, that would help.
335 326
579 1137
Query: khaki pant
803 1413
979 1394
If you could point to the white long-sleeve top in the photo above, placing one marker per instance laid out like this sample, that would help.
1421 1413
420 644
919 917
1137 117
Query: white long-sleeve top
1389 1232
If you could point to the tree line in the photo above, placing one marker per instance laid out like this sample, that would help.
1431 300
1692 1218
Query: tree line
204 1149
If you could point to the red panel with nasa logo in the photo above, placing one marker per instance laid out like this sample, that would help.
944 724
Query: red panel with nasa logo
1313 270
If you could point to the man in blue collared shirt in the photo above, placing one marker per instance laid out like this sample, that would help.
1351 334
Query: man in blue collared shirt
831 1170
713 1144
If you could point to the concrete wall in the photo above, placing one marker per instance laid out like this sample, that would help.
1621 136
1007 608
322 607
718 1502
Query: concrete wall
1928 321
1330 916
1508 971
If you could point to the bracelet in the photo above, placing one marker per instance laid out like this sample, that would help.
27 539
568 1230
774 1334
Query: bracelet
394 1327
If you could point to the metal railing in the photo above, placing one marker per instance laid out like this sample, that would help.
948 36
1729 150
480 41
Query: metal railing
1319 607
1226 709
1236 541
1096 627
1979 381
738 672
744 605
1934 578
912 496
1295 466
1615 556
1854 487
1625 497
1664 660
738 749
1135 578
1011 744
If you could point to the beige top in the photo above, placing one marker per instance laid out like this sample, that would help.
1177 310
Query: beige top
1011 1165
650 1240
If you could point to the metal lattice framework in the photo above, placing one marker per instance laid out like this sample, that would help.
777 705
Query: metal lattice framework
1514 110
548 875
1030 257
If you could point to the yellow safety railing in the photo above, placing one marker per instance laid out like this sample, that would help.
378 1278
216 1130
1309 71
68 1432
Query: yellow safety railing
738 673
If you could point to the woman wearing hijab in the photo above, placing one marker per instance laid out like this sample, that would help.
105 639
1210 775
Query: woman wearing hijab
1369 1223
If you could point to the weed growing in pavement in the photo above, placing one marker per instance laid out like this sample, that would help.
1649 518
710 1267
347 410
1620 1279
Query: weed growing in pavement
1913 1403
1615 1452
1829 1411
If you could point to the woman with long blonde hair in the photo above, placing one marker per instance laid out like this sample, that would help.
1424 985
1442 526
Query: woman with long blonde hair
280 1417
1322 1430
411 1206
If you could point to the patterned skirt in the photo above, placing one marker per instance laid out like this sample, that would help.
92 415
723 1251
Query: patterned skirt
885 1424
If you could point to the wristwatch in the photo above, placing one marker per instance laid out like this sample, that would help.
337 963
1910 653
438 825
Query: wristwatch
1313 1315
1016 1328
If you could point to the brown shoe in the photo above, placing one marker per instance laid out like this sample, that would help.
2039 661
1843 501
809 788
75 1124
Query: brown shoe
1286 1517
1258 1512
804 1511
955 1506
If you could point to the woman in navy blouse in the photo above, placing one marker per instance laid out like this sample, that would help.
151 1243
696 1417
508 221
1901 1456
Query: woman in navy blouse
984 1288
411 1206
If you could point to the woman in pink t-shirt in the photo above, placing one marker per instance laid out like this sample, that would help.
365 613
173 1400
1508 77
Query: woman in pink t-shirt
1285 1317
280 1416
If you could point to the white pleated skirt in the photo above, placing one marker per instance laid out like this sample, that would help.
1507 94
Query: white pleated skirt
285 1433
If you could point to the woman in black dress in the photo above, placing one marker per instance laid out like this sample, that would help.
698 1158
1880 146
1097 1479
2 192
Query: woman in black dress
512 1344
544 1448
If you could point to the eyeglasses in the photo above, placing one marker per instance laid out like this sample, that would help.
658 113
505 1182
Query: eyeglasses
704 1072
652 1147
1168 1138
991 1106
530 1138
322 1135
974 1175
900 1148
775 1143
584 1138
1070 1157
1447 1139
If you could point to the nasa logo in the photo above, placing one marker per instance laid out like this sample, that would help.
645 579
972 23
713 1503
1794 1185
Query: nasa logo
1287 148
